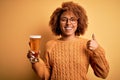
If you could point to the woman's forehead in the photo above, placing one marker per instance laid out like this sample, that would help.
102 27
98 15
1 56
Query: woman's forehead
68 14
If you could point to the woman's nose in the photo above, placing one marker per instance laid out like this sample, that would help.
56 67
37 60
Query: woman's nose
68 21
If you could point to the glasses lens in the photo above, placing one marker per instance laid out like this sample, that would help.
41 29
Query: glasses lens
72 20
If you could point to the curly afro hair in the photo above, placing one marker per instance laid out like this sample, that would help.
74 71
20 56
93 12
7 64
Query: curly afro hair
77 10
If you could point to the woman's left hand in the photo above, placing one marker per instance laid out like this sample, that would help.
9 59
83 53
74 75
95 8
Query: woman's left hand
92 44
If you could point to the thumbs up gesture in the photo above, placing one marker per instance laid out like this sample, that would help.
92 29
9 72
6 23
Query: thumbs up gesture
92 44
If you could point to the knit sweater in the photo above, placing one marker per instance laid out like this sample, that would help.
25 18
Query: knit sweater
69 60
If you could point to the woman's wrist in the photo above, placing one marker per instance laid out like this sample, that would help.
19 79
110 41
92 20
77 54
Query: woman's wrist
33 56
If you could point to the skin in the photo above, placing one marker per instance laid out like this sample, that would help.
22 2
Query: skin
92 44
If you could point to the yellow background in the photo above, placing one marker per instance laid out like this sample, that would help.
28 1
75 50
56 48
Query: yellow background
20 18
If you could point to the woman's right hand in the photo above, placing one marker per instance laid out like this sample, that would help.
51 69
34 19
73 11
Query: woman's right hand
33 56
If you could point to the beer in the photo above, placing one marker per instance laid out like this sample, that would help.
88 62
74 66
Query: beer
35 43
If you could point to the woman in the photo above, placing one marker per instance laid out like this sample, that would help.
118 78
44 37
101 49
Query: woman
68 57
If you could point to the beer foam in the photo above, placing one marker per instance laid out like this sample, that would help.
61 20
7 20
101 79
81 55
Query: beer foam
35 36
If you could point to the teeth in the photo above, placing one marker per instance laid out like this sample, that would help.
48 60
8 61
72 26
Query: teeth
69 28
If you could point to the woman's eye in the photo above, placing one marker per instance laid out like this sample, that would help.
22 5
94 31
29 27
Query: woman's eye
63 19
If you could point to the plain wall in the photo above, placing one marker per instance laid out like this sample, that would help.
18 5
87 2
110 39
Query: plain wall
20 18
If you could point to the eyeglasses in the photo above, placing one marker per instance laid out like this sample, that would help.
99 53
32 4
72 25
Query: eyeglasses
72 20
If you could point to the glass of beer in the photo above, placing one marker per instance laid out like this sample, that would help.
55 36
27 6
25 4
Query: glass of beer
35 43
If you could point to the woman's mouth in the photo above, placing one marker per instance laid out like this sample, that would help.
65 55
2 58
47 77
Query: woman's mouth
68 28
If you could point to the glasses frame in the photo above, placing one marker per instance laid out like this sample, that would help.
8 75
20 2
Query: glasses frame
72 20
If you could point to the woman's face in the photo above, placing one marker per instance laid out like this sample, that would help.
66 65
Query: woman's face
68 23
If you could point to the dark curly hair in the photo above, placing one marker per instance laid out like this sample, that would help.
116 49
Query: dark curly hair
77 10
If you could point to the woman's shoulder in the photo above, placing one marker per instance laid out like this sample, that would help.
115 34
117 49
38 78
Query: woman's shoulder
83 40
50 44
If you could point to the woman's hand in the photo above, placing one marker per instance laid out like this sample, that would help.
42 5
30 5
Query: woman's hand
32 56
92 44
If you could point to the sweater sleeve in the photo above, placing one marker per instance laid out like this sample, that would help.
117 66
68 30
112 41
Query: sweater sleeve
50 44
99 63
41 69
